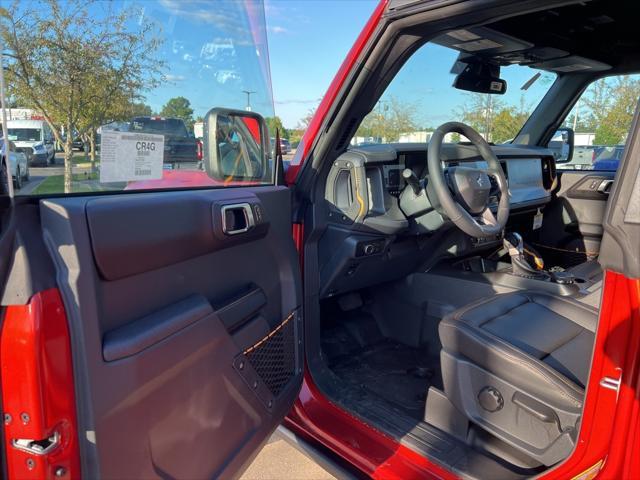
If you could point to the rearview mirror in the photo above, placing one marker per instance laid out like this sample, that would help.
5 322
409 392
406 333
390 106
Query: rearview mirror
236 145
561 144
481 78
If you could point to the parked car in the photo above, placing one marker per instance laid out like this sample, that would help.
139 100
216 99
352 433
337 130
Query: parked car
608 158
285 146
34 138
78 144
179 145
581 159
18 164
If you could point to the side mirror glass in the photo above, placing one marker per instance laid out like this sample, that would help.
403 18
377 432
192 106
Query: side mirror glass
236 145
561 144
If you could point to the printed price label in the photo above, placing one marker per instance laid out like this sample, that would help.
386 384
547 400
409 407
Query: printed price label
537 220
126 156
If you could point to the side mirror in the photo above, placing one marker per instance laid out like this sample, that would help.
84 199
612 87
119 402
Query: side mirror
561 144
236 145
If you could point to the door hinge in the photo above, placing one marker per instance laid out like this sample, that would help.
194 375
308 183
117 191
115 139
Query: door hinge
37 447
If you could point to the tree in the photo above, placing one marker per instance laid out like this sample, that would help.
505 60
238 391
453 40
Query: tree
389 120
275 123
591 109
616 120
70 63
179 107
304 122
139 109
495 121
506 124
480 111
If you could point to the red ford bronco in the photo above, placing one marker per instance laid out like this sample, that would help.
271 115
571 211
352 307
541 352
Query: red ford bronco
401 302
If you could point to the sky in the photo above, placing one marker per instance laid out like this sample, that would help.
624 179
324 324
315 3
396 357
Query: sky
285 56
308 40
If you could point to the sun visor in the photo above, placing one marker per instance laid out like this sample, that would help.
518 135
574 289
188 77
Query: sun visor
480 41
572 63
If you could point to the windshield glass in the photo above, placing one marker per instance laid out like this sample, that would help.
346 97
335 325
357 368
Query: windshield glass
127 75
170 126
421 97
23 134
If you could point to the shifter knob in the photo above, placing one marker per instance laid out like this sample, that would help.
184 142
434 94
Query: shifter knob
513 243
412 180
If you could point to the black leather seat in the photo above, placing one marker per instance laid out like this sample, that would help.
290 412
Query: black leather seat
517 364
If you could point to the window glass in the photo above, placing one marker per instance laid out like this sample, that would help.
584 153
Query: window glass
421 97
23 134
127 86
601 120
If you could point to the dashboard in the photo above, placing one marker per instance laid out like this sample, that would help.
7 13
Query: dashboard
371 236
366 182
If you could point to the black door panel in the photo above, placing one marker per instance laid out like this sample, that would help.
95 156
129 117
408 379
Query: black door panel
572 229
185 340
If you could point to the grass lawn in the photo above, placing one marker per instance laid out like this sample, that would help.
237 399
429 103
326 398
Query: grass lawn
81 184
79 160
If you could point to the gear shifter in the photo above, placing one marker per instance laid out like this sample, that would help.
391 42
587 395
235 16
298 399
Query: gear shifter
514 244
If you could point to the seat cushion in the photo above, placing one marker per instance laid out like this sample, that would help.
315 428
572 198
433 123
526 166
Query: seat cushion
534 340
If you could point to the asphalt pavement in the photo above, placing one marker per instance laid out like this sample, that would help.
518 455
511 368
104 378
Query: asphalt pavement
280 461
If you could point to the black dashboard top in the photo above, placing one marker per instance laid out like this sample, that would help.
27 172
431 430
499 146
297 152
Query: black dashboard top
388 152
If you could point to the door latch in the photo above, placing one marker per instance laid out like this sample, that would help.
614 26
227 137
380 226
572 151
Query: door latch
37 447
612 383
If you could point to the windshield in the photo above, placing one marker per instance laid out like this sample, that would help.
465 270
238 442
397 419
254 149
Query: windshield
24 134
171 126
125 75
421 97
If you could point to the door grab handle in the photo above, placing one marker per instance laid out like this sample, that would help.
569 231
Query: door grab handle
605 186
237 218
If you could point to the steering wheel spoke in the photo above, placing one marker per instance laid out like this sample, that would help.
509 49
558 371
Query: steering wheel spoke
488 217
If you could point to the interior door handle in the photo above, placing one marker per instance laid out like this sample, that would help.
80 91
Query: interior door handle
237 218
605 186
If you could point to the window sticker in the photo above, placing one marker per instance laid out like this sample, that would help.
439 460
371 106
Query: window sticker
126 156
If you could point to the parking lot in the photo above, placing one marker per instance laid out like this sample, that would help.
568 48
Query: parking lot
39 174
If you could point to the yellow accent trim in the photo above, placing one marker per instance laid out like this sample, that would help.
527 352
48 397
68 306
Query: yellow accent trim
269 335
537 260
359 197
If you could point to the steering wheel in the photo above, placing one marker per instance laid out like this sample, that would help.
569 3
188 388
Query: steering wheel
464 195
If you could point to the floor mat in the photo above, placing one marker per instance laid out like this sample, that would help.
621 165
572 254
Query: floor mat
398 373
